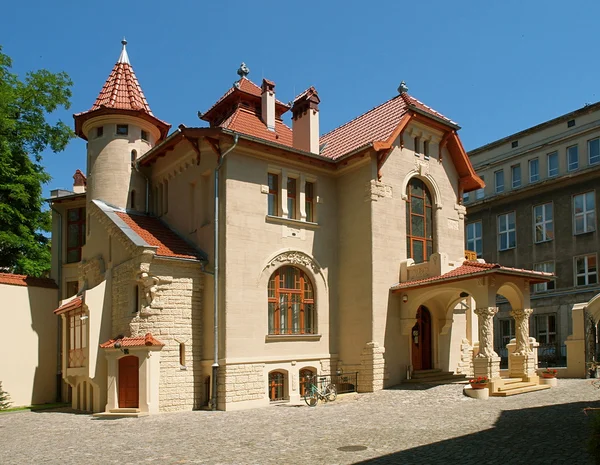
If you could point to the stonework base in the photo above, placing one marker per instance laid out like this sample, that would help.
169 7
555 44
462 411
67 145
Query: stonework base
486 366
372 368
481 394
521 366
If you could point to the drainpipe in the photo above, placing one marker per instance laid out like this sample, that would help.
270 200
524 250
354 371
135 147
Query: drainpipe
59 332
215 365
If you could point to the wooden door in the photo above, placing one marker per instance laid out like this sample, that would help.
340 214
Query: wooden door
128 382
421 340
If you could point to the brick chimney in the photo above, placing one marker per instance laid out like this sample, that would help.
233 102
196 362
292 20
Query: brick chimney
268 104
305 121
79 182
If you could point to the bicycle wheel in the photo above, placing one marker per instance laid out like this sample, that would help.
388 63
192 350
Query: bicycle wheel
311 398
331 392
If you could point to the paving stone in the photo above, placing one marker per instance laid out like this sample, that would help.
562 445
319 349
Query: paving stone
415 424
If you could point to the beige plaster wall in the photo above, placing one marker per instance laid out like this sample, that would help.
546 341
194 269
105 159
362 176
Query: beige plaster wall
29 331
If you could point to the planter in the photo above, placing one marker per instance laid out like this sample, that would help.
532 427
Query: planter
479 385
547 375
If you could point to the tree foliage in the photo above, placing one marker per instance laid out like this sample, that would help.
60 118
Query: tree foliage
4 398
25 132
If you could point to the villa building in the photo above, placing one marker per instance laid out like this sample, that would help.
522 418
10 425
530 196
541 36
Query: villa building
222 265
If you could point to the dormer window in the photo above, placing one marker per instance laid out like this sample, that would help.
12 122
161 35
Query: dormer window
122 129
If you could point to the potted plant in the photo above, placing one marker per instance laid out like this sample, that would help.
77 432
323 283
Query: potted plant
480 382
548 373
593 369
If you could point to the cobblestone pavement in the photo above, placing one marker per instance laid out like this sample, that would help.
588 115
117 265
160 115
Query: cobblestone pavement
420 424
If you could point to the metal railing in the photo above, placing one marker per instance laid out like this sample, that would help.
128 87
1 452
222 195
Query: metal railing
549 355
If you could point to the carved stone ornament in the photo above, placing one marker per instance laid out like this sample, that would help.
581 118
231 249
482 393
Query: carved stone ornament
521 317
486 331
294 258
422 168
149 286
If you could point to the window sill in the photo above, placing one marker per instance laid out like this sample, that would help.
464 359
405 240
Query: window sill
290 221
583 233
543 242
292 337
506 250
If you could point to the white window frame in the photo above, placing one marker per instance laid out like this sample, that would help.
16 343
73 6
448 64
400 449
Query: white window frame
544 223
534 177
504 220
515 176
587 274
499 188
572 166
542 328
588 216
504 338
547 267
554 155
472 239
597 156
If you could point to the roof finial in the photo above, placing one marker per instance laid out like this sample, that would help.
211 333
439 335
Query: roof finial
124 58
403 88
243 71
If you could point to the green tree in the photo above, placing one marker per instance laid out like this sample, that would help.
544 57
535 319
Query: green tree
4 398
25 133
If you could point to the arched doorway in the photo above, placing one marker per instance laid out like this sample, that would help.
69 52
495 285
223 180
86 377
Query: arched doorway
129 382
421 340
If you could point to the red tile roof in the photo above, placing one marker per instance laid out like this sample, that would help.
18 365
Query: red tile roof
73 304
140 341
246 86
248 122
471 268
23 280
157 234
375 125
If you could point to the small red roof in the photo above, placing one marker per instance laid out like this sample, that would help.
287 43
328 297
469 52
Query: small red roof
140 341
157 234
73 304
248 122
375 125
471 268
23 280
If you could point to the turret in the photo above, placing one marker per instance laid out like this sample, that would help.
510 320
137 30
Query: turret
119 128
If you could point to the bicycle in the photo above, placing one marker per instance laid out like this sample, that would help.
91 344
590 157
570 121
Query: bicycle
313 394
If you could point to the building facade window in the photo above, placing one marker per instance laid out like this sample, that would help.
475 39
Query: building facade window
507 331
417 145
276 386
273 181
144 136
572 158
499 181
419 222
291 198
474 238
548 267
543 222
309 201
426 148
584 213
99 131
515 172
122 129
75 233
552 164
507 232
71 288
534 170
291 303
545 328
479 193
305 378
594 151
586 271
77 334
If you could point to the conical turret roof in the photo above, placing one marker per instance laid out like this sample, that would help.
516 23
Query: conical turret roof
121 93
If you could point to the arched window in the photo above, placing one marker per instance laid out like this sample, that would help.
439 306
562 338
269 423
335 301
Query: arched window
306 375
419 222
291 302
276 386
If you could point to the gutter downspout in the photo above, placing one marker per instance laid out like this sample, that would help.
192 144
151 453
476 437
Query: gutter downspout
59 332
215 365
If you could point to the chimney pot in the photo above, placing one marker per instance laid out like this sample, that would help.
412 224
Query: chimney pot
305 121
268 103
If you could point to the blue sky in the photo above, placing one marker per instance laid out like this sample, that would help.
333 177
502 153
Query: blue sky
493 67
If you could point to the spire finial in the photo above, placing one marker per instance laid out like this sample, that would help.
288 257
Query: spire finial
123 58
243 71
403 88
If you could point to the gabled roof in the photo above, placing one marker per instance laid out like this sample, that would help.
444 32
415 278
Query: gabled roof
470 269
122 93
141 341
68 305
23 280
248 122
376 125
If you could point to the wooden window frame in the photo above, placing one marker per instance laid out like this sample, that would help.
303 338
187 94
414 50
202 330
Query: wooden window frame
305 376
276 389
307 310
273 194
411 238
80 222
292 195
309 201
77 337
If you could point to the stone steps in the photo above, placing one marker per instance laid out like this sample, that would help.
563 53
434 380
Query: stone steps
121 413
435 376
514 386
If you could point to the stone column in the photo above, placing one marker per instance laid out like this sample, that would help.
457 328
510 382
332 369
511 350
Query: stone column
487 362
521 363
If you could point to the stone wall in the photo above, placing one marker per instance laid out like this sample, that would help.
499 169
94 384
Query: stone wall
372 369
465 365
237 383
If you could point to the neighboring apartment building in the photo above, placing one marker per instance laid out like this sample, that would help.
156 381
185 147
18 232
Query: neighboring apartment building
538 211
340 253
